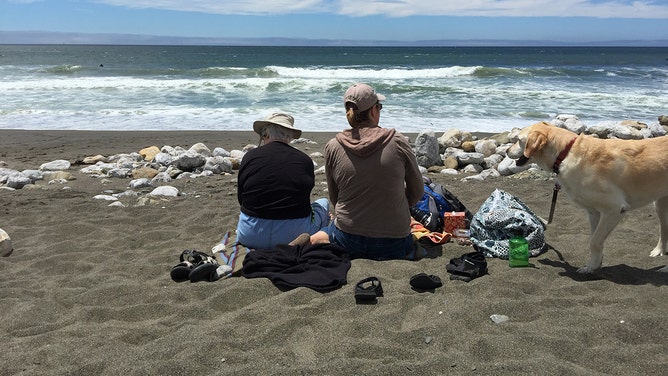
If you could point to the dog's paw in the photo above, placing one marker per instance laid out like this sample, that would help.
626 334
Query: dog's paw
656 252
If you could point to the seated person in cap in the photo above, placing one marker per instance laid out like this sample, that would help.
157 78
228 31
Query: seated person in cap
373 178
274 188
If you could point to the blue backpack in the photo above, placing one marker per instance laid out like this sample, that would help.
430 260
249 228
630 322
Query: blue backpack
435 202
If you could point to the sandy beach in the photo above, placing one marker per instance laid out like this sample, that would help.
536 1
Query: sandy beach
87 290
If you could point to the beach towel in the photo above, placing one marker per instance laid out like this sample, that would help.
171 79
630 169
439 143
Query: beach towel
321 267
501 217
426 243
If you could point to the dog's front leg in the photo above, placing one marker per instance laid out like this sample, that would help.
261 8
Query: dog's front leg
605 223
661 207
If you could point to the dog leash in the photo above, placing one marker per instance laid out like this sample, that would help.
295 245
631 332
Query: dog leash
555 169
555 192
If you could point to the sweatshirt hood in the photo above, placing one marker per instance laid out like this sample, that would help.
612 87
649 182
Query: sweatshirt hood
365 141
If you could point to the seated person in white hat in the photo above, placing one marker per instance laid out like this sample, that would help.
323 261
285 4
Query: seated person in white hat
274 188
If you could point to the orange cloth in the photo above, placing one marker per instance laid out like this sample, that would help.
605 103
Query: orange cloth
419 231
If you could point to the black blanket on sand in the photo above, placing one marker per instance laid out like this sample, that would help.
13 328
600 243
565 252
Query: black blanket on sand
321 267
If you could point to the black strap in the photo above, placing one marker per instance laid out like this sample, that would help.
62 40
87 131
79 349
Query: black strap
555 192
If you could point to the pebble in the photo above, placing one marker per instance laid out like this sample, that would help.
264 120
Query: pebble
498 319
6 247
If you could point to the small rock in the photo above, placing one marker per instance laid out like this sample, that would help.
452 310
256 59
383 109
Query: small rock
498 319
149 153
165 190
94 159
6 247
57 165
105 197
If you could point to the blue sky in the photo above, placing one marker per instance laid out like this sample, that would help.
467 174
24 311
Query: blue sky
571 21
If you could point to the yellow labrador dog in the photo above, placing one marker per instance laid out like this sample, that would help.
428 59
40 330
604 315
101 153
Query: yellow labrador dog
605 177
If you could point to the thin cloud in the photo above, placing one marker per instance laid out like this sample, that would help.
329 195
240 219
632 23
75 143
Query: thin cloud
405 8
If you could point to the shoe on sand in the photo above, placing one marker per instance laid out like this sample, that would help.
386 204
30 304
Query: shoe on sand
423 282
368 290
194 266
467 267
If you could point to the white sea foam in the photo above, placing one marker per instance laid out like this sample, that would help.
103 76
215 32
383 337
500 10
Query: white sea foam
373 74
426 89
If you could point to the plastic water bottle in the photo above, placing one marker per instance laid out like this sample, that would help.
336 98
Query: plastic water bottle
518 253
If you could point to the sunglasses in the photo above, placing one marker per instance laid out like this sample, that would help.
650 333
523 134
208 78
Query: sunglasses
379 106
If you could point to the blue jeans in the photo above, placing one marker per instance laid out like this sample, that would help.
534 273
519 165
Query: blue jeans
359 246
259 233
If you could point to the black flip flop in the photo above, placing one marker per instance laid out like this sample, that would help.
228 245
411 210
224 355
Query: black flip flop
423 282
467 267
368 290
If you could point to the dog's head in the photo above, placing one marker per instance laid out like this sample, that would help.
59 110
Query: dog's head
530 141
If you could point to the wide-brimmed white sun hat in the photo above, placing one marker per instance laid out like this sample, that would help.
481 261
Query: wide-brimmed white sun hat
284 120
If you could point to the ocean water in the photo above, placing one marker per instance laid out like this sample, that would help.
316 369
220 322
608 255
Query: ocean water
483 89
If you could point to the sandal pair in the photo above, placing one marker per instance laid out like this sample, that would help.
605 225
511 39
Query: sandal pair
467 267
195 266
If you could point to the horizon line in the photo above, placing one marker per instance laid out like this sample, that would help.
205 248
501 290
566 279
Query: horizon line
75 38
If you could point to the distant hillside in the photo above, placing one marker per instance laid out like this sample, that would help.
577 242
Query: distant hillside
40 37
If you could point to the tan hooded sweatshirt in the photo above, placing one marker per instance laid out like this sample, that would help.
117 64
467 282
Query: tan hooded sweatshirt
373 178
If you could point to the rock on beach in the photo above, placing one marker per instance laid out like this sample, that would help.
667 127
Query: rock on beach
6 247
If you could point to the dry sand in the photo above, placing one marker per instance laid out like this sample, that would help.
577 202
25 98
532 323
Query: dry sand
87 290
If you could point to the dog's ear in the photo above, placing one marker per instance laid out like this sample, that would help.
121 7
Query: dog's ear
535 142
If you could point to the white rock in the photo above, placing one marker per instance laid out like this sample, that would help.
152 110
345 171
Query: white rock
189 161
238 154
6 247
508 167
486 147
140 183
498 319
427 149
128 193
470 158
105 197
163 158
220 152
200 148
472 169
218 165
57 165
119 173
452 138
302 140
18 181
33 175
165 190
492 172
449 171
493 160
162 177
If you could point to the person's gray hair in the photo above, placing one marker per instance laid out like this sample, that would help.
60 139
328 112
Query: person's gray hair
276 132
